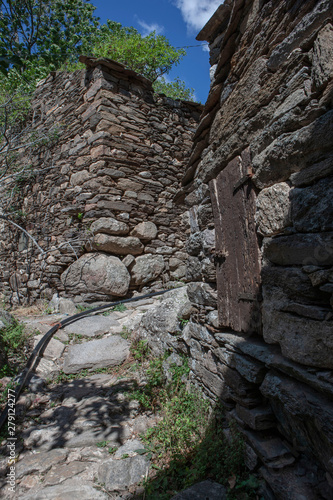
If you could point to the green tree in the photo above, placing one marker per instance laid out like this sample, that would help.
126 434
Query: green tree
39 36
152 56
175 89
44 31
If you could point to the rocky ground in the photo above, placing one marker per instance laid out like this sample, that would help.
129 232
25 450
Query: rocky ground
78 431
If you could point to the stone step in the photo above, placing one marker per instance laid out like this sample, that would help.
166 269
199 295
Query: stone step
109 351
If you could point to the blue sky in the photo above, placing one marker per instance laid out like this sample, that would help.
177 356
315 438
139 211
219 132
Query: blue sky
179 20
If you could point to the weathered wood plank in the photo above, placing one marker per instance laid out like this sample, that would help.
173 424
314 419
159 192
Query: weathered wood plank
237 249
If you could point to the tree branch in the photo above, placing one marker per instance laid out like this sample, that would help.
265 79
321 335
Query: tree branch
3 217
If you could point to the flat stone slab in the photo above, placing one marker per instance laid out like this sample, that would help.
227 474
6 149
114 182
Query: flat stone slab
207 490
46 368
72 489
129 448
91 326
53 350
40 462
119 475
110 351
114 435
61 473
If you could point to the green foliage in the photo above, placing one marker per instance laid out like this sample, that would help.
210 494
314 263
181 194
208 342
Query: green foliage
191 442
44 33
186 450
152 56
102 444
175 90
112 449
140 350
38 37
120 307
82 308
13 340
125 333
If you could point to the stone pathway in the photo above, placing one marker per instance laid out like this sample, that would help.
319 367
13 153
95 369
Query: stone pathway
79 438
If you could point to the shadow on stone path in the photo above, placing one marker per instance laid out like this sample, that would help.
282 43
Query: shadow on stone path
77 439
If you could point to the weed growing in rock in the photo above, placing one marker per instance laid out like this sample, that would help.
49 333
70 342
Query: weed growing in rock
191 442
82 308
125 333
120 308
140 350
112 449
14 343
102 444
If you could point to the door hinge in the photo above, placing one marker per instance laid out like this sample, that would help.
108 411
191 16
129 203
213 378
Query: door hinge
243 180
250 297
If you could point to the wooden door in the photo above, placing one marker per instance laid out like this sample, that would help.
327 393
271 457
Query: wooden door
237 253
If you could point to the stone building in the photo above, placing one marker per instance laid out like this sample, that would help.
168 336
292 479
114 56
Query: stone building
255 202
260 177
99 196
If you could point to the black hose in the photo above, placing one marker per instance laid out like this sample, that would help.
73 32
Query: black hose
22 377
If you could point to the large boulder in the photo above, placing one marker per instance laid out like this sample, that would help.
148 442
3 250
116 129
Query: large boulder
97 273
273 207
146 268
109 225
146 231
117 244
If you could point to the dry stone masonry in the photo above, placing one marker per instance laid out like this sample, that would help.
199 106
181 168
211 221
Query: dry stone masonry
260 178
99 197
250 228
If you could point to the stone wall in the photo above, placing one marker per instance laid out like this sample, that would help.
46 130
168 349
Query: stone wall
270 97
99 195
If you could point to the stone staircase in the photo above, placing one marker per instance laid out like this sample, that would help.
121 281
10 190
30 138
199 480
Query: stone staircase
78 438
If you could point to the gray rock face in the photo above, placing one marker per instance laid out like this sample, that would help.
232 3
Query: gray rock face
308 342
145 231
322 69
203 294
109 351
108 225
146 268
272 214
313 172
205 216
53 350
161 324
282 157
41 462
119 475
72 489
208 239
301 249
117 244
91 326
193 269
312 207
207 490
301 31
302 413
194 244
67 306
93 272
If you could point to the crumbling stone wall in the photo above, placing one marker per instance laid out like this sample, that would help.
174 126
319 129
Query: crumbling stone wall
102 190
270 97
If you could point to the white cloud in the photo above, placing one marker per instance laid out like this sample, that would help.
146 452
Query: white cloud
148 28
197 12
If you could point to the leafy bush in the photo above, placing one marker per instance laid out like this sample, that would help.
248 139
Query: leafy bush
13 343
